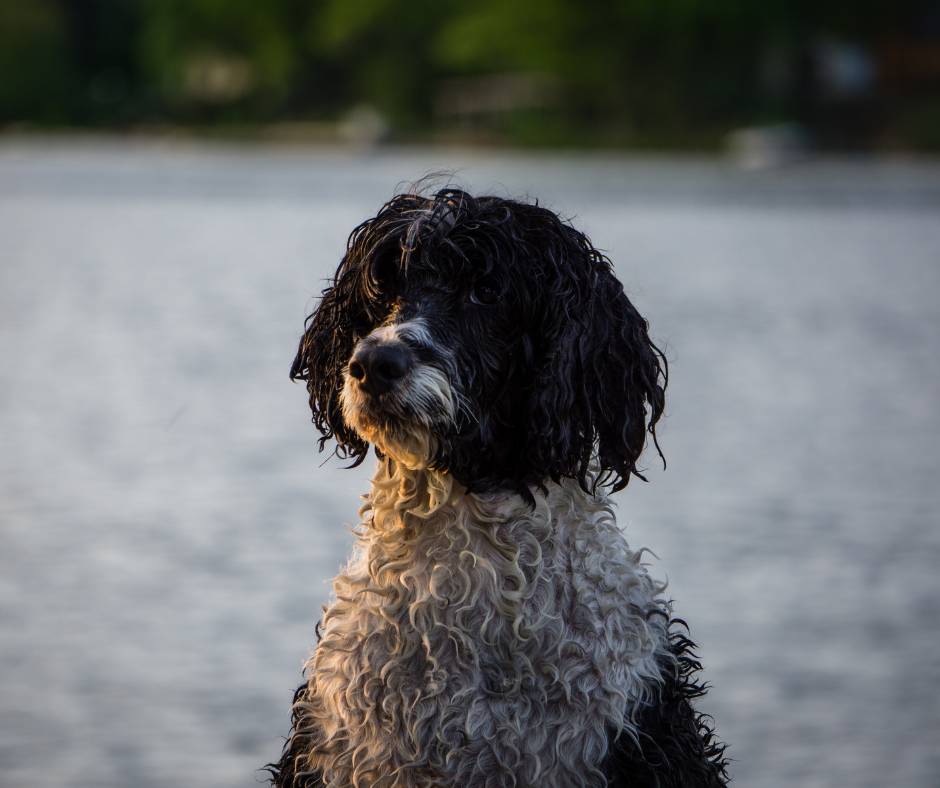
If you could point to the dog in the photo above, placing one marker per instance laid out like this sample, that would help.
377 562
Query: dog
492 628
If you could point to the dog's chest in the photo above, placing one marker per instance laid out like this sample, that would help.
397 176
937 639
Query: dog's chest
461 650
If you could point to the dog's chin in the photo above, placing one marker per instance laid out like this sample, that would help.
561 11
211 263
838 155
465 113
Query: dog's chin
379 421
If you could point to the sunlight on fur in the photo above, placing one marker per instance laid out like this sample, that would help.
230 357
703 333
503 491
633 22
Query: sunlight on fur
452 600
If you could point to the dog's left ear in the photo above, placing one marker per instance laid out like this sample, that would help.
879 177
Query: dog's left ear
602 387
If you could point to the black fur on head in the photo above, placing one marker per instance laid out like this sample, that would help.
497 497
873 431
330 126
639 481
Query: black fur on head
550 365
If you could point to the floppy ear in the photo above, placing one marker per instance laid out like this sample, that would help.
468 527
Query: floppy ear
330 335
602 386
356 302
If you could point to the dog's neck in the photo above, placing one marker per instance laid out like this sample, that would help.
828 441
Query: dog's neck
403 499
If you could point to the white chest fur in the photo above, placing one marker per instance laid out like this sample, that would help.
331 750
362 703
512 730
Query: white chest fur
474 640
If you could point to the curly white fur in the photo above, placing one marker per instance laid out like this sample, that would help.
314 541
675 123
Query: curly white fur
474 640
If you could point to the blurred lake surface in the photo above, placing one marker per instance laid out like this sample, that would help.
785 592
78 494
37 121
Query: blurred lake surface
168 531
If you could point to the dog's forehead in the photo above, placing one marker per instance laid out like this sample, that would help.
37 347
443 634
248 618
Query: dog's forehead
442 267
444 240
433 249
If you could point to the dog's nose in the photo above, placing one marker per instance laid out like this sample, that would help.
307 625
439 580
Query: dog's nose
378 367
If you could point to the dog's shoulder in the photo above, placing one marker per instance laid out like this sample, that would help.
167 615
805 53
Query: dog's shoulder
676 746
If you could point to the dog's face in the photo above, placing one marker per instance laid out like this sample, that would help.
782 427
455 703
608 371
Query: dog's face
486 338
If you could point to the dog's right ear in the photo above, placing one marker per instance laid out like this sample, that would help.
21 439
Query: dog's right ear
331 332
357 300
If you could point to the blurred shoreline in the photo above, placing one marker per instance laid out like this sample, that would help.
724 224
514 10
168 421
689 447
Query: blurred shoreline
178 162
329 138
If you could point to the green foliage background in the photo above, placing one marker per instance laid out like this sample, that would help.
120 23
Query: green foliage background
622 72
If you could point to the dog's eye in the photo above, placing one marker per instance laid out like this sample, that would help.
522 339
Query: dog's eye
485 292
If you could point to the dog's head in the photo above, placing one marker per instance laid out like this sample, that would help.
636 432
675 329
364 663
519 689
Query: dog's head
484 337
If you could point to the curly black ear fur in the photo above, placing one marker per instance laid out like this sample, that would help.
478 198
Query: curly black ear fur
571 374
348 310
601 387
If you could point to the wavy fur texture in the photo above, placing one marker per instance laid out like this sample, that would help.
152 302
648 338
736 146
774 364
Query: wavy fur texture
475 640
492 628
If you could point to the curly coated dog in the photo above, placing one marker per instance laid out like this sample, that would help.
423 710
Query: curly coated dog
493 627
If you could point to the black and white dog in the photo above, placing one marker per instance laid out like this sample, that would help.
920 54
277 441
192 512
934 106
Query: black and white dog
492 627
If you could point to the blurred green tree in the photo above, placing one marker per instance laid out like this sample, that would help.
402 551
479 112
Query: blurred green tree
663 72
201 56
35 72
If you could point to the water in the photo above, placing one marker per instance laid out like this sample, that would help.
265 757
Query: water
168 531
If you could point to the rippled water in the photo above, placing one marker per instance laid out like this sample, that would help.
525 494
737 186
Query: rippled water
168 531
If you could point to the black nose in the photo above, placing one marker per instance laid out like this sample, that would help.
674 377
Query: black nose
378 367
